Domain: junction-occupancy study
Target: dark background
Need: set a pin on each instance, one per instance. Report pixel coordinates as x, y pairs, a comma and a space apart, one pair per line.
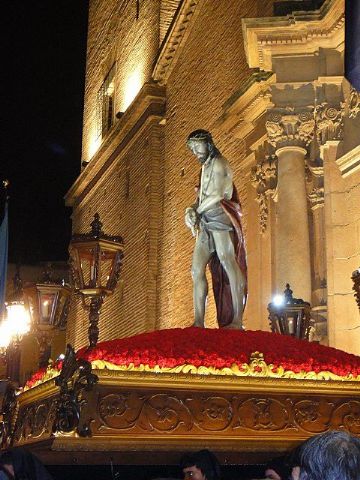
147, 472
42, 82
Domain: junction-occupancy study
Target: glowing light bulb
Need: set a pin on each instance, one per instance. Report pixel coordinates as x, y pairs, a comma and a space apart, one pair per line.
18, 319
278, 300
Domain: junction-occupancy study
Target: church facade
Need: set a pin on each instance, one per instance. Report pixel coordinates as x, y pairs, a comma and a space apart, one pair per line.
266, 79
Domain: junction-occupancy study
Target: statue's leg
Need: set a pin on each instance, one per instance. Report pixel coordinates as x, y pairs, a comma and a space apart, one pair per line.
225, 251
200, 259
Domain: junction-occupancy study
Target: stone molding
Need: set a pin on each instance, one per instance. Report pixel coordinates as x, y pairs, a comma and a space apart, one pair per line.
264, 180
290, 127
329, 122
350, 162
175, 39
298, 33
149, 105
251, 101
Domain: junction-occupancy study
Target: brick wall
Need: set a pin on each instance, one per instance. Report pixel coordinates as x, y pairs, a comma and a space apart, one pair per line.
115, 36
211, 68
133, 184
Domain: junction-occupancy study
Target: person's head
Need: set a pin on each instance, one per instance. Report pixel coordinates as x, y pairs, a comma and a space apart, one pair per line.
278, 469
202, 465
201, 144
6, 466
332, 456
19, 464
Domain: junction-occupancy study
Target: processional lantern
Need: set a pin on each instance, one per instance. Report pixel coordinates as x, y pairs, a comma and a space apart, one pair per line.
48, 302
289, 315
356, 279
95, 262
13, 328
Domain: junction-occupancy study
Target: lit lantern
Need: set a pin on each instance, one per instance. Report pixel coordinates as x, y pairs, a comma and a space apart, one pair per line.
48, 305
13, 329
95, 261
290, 316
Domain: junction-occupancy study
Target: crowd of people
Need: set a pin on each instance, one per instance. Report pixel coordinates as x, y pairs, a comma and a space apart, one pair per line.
333, 455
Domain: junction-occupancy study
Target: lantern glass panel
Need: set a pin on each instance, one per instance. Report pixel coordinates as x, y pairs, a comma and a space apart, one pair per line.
46, 307
88, 266
107, 262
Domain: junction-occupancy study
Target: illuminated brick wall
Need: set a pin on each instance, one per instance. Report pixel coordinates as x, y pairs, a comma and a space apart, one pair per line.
115, 36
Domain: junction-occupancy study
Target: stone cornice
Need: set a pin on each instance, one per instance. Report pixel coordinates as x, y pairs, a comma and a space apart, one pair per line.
350, 162
243, 109
298, 33
149, 104
175, 39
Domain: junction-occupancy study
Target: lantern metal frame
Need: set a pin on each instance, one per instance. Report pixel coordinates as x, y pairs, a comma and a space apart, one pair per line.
292, 317
46, 326
94, 284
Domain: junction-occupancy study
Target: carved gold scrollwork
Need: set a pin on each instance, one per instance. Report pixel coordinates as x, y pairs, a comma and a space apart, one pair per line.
7, 416
40, 419
211, 413
164, 413
289, 126
159, 412
313, 416
347, 416
120, 411
35, 420
263, 414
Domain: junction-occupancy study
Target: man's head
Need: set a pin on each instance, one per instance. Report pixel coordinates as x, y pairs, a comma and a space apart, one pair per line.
331, 456
202, 465
201, 144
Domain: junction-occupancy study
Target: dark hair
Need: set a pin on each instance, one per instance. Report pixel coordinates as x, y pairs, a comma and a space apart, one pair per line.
6, 458
205, 461
281, 466
332, 456
26, 465
203, 135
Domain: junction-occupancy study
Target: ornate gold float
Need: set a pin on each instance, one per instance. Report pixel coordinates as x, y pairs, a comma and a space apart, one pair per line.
246, 412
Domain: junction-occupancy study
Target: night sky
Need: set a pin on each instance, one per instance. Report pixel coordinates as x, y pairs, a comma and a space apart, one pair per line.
42, 84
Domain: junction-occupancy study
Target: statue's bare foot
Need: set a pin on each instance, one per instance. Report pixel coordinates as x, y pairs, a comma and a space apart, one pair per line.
198, 324
235, 325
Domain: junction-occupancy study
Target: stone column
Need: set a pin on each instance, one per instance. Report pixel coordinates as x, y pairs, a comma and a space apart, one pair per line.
290, 131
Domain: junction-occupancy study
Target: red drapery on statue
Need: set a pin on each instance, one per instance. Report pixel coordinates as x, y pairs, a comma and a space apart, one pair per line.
220, 281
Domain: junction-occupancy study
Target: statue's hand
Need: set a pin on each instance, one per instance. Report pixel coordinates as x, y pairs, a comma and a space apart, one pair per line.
191, 220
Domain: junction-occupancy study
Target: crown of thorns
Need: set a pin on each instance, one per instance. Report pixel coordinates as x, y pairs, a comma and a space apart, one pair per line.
199, 135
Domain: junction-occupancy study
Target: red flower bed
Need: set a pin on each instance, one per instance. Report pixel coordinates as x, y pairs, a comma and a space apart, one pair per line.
222, 348
215, 348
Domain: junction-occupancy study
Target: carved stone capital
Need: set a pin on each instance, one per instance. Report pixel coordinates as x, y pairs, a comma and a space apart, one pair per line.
316, 197
264, 180
329, 122
353, 103
290, 127
356, 279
